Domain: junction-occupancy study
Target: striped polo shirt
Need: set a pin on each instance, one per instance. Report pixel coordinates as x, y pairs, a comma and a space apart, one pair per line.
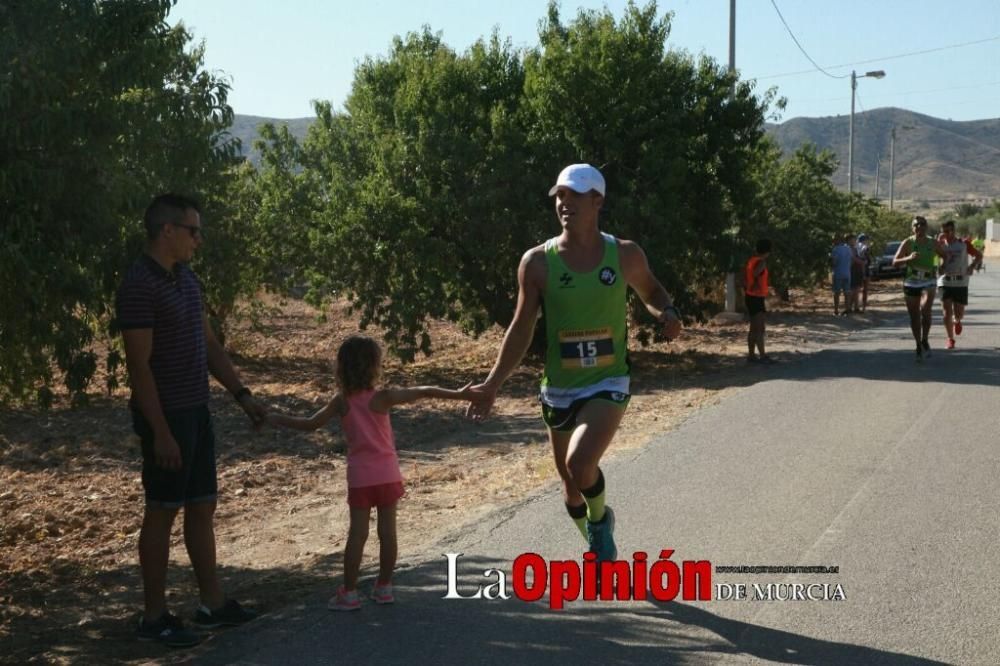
169, 303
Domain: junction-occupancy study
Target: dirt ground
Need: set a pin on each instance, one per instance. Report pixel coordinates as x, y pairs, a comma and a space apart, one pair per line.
71, 497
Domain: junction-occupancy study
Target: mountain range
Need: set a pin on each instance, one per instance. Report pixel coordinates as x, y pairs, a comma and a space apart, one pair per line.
936, 160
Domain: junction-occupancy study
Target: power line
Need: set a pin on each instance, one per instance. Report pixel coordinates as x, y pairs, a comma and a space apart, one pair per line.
792, 35
977, 86
882, 59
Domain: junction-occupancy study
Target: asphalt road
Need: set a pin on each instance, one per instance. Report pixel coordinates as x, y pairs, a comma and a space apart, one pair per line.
856, 458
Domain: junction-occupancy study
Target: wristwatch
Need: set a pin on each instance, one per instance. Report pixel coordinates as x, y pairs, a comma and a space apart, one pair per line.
674, 310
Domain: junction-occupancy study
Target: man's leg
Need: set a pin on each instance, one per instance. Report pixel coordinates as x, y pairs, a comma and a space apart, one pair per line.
926, 315
199, 538
913, 310
597, 422
154, 553
948, 308
864, 294
836, 301
759, 320
959, 315
575, 505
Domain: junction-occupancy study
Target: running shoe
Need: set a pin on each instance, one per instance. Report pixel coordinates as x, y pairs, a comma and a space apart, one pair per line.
382, 594
958, 327
168, 630
927, 348
950, 344
345, 600
231, 614
601, 536
920, 354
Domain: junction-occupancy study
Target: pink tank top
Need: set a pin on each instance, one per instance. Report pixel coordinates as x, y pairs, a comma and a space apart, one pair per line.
371, 448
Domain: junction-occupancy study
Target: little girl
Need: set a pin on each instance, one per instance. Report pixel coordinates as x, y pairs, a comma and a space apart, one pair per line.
373, 476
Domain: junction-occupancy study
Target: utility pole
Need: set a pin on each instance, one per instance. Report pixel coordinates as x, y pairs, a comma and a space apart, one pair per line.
850, 143
892, 166
878, 167
731, 276
892, 163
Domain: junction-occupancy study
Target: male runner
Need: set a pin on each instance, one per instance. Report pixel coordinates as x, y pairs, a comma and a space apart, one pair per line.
580, 278
954, 279
918, 253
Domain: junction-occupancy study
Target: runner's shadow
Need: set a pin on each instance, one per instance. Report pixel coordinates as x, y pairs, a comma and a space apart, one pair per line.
425, 628
783, 646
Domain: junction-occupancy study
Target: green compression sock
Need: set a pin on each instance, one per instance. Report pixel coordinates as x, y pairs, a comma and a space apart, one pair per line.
594, 497
579, 516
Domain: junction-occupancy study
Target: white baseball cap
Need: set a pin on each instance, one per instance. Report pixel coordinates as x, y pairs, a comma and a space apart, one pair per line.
580, 178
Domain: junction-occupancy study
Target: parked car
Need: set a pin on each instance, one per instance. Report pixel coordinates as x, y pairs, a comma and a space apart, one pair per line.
882, 267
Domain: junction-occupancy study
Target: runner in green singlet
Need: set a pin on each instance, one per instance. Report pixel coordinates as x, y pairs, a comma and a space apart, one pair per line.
919, 254
580, 279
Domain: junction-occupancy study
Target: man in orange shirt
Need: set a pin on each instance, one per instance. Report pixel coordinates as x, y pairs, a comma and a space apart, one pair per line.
755, 279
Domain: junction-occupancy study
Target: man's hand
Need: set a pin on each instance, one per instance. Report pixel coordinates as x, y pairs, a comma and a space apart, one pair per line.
671, 327
166, 452
255, 410
481, 398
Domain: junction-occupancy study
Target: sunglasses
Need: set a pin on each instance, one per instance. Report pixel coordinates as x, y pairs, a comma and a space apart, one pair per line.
192, 229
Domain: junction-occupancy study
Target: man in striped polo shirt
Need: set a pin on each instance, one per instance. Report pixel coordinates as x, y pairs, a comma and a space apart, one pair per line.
580, 278
170, 349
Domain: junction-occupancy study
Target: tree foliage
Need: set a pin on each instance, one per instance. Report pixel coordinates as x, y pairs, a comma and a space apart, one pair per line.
419, 200
100, 108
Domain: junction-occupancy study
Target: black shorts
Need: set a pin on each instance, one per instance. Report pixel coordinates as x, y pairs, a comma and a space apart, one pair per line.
564, 418
959, 295
755, 304
857, 278
196, 480
917, 291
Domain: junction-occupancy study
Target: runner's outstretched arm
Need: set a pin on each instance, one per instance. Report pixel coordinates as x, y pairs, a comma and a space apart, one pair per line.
530, 280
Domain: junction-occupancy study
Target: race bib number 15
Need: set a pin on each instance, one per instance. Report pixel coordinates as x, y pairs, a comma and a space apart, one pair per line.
586, 348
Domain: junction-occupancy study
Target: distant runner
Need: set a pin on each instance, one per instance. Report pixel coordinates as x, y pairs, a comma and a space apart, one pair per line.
954, 279
917, 253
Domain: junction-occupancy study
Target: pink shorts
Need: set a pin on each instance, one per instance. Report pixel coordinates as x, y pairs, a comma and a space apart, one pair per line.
382, 494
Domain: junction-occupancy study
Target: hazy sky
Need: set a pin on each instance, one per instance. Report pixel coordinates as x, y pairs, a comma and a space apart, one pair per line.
940, 56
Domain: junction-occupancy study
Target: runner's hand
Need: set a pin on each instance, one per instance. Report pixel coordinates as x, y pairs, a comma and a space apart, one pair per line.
481, 399
166, 452
671, 323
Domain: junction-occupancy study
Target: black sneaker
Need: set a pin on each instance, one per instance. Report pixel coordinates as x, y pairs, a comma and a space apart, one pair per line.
927, 348
168, 630
920, 354
230, 615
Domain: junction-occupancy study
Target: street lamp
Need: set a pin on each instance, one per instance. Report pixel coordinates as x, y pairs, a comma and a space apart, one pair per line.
877, 74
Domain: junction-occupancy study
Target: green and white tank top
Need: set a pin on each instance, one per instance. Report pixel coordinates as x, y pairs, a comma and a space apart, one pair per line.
585, 328
920, 271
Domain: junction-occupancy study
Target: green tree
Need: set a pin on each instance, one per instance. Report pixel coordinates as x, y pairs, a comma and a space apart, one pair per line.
100, 107
800, 210
413, 201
